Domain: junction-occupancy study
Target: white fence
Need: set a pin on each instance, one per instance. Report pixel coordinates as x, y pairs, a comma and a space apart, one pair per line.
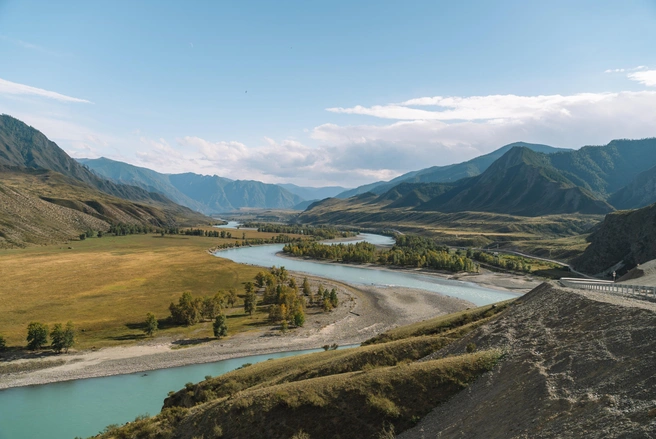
607, 286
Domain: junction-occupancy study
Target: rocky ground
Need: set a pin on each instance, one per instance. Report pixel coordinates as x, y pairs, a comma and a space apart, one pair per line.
577, 364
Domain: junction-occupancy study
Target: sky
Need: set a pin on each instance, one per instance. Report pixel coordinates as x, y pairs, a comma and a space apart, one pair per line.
327, 92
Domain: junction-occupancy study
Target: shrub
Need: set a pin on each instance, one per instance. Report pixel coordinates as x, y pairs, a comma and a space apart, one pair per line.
471, 347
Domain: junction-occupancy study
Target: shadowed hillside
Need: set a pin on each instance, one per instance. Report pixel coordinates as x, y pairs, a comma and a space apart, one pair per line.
625, 236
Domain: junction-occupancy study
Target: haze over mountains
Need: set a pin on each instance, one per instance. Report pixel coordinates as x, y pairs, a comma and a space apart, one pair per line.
210, 193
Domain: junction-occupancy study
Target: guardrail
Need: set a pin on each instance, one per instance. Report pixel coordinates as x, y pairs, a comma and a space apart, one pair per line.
607, 286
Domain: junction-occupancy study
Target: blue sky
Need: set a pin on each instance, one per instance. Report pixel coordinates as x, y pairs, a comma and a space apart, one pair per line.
318, 93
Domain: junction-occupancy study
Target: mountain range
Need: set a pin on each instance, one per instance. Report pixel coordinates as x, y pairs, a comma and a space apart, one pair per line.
526, 180
209, 193
448, 173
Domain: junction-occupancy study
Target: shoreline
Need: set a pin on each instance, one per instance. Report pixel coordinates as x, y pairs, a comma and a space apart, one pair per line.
364, 311
509, 282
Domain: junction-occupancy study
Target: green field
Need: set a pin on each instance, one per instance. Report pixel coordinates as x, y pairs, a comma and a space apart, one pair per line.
105, 286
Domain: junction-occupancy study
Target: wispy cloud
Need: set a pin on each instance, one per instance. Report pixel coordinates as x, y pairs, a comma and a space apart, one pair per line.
30, 46
646, 77
14, 88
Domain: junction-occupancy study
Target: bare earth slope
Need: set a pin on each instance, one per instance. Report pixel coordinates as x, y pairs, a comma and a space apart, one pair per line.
575, 366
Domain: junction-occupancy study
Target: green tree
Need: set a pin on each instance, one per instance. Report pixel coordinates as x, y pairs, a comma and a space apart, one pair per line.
57, 337
151, 324
187, 311
333, 298
62, 338
306, 287
212, 306
37, 335
250, 302
299, 317
232, 297
220, 326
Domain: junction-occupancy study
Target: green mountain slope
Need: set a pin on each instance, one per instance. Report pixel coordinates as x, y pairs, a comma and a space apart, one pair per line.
521, 182
606, 169
449, 173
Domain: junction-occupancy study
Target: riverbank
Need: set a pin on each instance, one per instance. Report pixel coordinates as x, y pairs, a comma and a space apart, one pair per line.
515, 283
363, 312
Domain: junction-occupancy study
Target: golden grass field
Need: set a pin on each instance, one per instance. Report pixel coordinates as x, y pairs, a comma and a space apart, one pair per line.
105, 286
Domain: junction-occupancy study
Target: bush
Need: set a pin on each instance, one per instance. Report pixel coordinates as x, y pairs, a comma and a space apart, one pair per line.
471, 347
3, 343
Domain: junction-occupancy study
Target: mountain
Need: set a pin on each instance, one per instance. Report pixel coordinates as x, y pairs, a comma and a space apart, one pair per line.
22, 146
639, 193
449, 173
46, 196
142, 177
407, 195
608, 168
521, 182
626, 237
204, 193
313, 193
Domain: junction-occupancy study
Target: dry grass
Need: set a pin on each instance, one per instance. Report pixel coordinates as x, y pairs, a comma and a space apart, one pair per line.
451, 325
107, 285
333, 406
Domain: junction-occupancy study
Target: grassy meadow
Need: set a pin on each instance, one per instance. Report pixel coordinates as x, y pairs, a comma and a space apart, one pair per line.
105, 286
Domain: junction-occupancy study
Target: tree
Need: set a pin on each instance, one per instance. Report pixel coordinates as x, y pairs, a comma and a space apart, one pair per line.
83, 236
232, 297
250, 302
3, 343
306, 287
333, 298
249, 287
299, 317
37, 335
62, 339
151, 324
212, 306
187, 311
220, 326
57, 337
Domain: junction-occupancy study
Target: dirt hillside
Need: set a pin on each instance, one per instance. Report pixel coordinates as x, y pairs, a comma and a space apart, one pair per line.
574, 367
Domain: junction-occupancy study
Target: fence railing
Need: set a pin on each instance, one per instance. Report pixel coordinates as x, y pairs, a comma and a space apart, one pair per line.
607, 286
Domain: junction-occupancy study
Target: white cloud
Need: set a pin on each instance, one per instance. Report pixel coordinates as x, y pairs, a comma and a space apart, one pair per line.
350, 155
646, 77
477, 107
14, 88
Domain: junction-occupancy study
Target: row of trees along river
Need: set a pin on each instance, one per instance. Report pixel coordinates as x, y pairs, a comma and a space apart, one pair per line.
408, 251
